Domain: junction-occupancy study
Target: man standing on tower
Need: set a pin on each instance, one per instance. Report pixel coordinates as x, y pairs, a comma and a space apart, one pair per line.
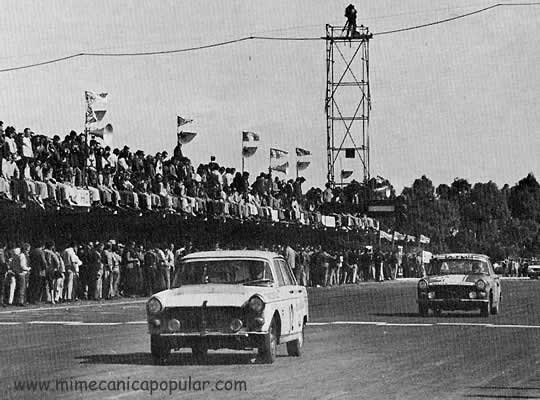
350, 14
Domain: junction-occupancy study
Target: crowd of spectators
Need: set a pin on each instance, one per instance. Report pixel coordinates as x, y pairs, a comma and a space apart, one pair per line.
43, 163
108, 270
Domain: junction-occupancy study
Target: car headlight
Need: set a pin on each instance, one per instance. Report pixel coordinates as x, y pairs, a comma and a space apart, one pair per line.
480, 284
256, 304
236, 325
153, 306
422, 284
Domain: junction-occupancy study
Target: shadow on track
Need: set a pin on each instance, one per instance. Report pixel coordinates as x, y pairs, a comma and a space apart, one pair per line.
174, 359
500, 396
504, 388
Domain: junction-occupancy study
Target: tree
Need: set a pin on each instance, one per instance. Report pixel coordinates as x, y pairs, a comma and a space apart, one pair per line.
524, 199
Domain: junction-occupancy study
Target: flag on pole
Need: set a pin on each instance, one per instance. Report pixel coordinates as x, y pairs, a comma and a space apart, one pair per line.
185, 137
385, 235
302, 152
302, 165
96, 106
345, 173
399, 236
248, 151
281, 168
250, 136
277, 153
424, 239
350, 153
182, 121
101, 132
249, 147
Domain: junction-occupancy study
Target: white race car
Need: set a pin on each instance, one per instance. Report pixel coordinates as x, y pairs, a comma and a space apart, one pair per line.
229, 299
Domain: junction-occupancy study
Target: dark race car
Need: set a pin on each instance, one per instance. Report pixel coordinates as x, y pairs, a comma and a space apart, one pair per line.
459, 282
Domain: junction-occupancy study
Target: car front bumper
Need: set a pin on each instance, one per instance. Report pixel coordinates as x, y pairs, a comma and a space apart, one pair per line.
453, 304
213, 340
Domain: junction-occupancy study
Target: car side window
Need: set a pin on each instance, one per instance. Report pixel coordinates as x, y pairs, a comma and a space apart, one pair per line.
287, 272
279, 273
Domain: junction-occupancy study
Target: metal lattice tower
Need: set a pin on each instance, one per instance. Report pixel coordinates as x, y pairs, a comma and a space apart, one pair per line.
348, 99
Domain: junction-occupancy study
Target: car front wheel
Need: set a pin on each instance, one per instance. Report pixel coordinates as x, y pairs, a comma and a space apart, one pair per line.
496, 308
295, 347
268, 350
160, 349
199, 352
423, 310
485, 308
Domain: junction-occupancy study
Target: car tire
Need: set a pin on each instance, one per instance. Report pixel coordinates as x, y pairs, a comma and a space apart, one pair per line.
485, 308
295, 347
160, 350
423, 310
200, 353
267, 352
496, 308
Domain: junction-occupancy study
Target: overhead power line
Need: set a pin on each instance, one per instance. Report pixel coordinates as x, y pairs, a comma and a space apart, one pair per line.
442, 21
246, 38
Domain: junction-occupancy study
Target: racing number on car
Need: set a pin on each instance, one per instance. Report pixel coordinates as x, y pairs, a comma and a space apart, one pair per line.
292, 317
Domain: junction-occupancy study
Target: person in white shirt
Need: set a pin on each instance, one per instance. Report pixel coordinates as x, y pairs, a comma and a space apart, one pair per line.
72, 263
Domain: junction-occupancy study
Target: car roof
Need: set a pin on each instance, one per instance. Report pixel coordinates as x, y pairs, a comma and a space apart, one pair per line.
232, 254
463, 256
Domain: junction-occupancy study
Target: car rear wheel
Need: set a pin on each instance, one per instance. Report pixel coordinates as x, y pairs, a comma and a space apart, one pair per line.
423, 310
160, 350
268, 350
294, 347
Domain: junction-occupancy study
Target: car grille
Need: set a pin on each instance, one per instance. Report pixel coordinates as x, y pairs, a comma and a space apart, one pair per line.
216, 318
452, 292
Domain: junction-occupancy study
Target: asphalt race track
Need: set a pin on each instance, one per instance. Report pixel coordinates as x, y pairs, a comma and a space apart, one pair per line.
364, 342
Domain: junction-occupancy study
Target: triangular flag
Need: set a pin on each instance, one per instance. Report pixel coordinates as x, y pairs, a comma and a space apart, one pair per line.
250, 136
100, 132
248, 151
276, 153
302, 165
302, 152
182, 121
281, 168
345, 174
96, 106
185, 137
100, 114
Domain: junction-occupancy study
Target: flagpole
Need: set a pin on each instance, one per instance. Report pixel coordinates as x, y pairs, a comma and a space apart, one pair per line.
242, 152
270, 162
86, 129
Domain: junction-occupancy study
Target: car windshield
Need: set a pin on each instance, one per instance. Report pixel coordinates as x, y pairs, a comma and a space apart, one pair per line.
457, 267
197, 272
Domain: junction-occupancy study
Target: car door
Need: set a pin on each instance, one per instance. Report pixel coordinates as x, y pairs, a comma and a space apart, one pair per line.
297, 304
285, 297
497, 282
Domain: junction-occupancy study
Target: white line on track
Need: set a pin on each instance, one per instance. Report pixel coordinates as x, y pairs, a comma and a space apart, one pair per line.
59, 307
329, 323
466, 324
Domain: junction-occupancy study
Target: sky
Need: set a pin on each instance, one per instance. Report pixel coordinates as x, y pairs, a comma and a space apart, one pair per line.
458, 99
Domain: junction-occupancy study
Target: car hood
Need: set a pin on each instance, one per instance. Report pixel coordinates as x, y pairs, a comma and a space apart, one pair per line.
213, 295
454, 279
